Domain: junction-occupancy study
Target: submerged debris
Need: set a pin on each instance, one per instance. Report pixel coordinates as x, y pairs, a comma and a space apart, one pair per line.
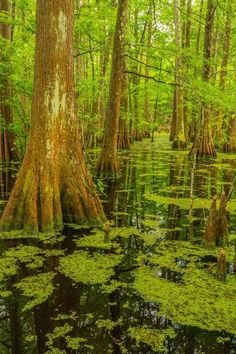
107, 230
221, 266
216, 233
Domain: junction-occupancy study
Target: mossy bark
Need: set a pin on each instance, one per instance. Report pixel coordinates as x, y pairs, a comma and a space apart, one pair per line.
230, 145
53, 185
203, 145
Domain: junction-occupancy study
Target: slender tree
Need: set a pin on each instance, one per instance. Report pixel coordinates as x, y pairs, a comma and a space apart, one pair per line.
53, 185
123, 137
108, 164
192, 131
230, 145
224, 66
203, 144
178, 129
7, 141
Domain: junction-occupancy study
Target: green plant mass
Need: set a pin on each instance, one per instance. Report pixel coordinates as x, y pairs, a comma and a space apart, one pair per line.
117, 177
197, 299
89, 269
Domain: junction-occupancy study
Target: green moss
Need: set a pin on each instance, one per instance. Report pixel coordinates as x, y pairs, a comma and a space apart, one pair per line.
32, 256
95, 241
183, 203
8, 268
151, 223
124, 232
153, 337
107, 324
37, 289
200, 300
89, 268
15, 234
75, 343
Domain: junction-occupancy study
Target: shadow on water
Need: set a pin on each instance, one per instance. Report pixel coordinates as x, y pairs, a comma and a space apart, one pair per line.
149, 288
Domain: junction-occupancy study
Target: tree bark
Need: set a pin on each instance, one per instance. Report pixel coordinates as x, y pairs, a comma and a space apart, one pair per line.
53, 185
178, 130
108, 165
7, 139
224, 65
230, 145
203, 144
193, 125
123, 137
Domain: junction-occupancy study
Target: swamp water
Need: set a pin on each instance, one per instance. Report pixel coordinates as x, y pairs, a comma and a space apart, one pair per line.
150, 287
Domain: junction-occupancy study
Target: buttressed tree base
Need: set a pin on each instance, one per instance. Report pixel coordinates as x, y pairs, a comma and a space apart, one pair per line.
53, 185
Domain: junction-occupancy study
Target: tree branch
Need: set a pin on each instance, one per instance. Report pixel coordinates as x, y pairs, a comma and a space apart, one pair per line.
152, 78
149, 66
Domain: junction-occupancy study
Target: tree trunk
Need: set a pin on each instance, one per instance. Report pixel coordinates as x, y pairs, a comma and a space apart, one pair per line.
203, 144
224, 65
230, 145
53, 185
186, 64
108, 164
193, 125
7, 141
178, 130
123, 137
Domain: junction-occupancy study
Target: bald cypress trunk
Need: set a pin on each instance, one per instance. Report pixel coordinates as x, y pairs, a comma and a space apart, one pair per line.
107, 164
53, 185
178, 128
230, 145
123, 137
203, 144
223, 73
7, 141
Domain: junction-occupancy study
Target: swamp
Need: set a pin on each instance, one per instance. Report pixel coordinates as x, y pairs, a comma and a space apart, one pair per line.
117, 177
151, 287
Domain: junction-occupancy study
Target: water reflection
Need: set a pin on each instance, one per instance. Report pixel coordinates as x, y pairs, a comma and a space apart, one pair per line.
69, 316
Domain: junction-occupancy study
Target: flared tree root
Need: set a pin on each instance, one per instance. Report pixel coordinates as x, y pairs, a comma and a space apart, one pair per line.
203, 147
107, 168
42, 201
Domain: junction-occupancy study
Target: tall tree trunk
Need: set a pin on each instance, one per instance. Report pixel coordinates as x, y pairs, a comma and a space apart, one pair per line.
179, 139
147, 108
108, 164
53, 185
193, 125
123, 137
186, 64
134, 126
224, 65
230, 145
203, 144
7, 140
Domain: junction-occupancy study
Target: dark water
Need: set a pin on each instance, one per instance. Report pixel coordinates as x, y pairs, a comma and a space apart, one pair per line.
77, 293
